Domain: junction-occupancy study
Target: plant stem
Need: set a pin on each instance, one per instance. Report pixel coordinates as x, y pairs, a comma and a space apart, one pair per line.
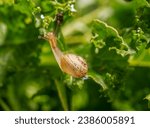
62, 95
4, 105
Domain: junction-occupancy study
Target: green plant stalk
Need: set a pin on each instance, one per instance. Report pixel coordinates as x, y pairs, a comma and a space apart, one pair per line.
62, 95
13, 100
4, 105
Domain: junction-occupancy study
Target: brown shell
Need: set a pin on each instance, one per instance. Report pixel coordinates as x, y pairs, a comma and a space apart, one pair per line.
74, 65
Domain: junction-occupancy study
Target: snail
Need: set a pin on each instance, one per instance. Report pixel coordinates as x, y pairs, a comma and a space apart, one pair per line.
71, 64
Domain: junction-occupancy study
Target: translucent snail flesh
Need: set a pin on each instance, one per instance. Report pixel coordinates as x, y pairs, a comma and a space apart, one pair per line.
71, 64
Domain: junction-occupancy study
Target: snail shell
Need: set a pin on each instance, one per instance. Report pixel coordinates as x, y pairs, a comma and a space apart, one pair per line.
74, 65
71, 64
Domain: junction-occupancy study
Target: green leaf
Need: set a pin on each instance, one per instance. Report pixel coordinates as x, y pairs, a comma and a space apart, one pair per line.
23, 7
7, 2
98, 79
147, 97
142, 59
105, 33
140, 3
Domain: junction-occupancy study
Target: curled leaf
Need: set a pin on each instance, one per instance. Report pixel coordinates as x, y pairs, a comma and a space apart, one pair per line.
98, 79
105, 33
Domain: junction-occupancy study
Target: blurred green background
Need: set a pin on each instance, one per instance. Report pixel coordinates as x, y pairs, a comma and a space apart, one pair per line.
115, 46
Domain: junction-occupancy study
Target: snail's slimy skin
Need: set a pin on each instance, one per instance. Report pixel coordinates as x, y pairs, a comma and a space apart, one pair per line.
71, 64
53, 43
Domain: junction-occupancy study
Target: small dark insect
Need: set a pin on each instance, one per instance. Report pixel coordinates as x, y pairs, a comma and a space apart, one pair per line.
59, 18
58, 21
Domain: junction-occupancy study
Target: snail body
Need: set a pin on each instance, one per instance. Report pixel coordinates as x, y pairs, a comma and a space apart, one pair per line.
71, 64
